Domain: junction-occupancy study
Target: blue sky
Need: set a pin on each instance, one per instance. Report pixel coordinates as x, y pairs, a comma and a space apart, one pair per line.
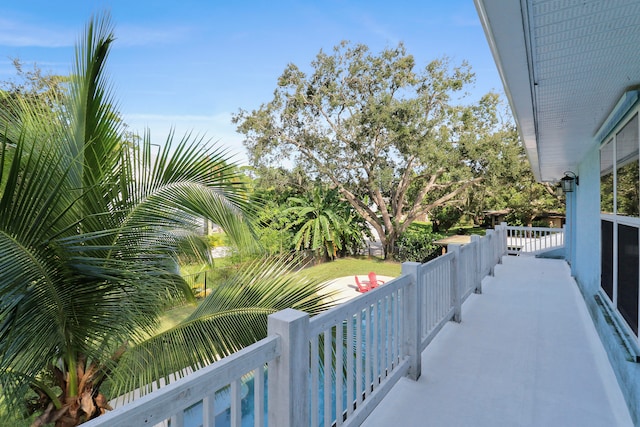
192, 64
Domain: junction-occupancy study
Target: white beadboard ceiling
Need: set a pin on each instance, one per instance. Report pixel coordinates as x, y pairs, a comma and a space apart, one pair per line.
564, 65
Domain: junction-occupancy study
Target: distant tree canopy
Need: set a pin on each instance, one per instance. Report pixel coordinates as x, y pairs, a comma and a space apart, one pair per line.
34, 86
387, 136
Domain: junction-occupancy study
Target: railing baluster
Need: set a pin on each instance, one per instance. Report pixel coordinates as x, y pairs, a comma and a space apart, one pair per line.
388, 318
434, 296
315, 366
375, 321
396, 328
327, 378
438, 296
339, 373
368, 350
178, 419
350, 366
434, 291
209, 411
258, 396
359, 358
236, 403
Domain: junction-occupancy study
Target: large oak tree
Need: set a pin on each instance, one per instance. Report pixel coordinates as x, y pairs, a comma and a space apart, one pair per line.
396, 141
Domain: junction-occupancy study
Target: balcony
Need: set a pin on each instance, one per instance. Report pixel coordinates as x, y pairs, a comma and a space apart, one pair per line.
525, 354
461, 340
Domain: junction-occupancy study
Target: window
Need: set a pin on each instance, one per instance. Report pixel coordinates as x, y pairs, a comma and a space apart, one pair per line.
620, 221
607, 258
627, 202
628, 275
606, 177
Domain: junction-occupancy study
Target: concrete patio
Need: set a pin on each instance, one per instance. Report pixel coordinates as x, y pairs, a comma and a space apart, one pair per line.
525, 354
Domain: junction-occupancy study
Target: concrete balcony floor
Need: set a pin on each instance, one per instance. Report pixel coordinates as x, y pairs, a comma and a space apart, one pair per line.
525, 354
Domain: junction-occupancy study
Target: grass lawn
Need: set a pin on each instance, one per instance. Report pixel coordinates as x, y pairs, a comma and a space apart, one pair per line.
322, 272
351, 267
174, 316
466, 229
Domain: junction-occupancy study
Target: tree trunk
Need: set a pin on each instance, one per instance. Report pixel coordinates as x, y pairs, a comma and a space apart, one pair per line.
388, 246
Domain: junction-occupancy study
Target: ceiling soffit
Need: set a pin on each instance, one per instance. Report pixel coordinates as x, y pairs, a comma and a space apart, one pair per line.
564, 64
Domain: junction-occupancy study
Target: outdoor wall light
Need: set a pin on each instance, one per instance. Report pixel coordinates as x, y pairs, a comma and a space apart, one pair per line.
566, 182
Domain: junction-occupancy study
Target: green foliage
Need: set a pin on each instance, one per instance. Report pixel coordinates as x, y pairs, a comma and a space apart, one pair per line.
507, 179
273, 230
34, 87
445, 217
325, 224
233, 316
606, 193
90, 231
627, 197
386, 135
297, 214
416, 244
215, 240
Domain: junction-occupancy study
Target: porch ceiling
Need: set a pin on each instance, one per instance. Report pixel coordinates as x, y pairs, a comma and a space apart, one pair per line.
564, 65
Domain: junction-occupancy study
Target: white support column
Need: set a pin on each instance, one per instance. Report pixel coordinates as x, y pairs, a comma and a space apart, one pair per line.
493, 252
289, 372
456, 285
411, 320
503, 241
477, 268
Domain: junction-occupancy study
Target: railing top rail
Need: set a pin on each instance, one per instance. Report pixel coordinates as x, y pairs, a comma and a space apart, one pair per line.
523, 228
468, 247
155, 407
330, 318
442, 259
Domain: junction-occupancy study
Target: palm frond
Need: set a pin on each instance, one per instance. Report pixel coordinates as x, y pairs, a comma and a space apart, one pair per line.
90, 226
233, 316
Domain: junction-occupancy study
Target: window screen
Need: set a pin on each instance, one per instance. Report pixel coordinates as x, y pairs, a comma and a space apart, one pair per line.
628, 274
606, 177
607, 257
627, 201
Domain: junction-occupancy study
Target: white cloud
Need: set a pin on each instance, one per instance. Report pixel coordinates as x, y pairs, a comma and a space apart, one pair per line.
20, 34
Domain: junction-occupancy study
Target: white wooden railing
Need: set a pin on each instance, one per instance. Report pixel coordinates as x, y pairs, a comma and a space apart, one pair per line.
533, 240
334, 368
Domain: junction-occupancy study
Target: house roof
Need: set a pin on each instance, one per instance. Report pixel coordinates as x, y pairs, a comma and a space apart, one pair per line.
564, 64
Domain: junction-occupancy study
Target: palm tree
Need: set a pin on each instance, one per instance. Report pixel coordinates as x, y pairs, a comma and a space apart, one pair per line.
326, 224
233, 316
90, 228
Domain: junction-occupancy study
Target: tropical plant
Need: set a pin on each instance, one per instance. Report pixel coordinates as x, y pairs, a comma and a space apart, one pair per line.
233, 316
273, 229
90, 229
324, 223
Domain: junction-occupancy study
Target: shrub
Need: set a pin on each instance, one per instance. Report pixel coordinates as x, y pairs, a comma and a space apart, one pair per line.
416, 244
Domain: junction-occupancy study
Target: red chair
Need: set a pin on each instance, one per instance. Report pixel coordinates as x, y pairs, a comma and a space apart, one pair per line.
362, 287
373, 280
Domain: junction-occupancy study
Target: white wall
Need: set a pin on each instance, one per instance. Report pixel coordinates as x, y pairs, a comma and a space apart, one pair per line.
586, 269
586, 237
